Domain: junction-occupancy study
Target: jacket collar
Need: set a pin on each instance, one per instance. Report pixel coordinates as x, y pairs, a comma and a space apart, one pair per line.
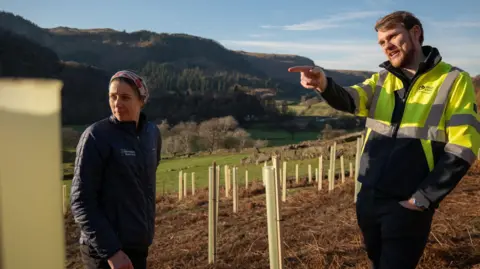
432, 58
130, 126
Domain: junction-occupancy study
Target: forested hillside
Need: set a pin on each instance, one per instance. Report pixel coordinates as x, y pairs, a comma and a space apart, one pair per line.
84, 96
173, 62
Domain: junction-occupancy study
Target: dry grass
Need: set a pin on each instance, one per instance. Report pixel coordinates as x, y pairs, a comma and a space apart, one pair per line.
319, 231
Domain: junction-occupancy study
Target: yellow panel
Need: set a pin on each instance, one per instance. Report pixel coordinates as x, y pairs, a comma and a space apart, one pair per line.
31, 219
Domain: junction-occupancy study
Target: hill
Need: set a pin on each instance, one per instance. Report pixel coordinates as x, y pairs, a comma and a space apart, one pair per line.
168, 58
85, 98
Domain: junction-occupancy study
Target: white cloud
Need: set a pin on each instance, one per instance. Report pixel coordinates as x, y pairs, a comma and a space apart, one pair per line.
261, 35
332, 21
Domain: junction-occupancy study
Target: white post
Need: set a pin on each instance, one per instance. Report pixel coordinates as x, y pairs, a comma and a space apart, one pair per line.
180, 185
185, 184
350, 170
320, 172
212, 214
309, 173
275, 242
284, 184
357, 165
342, 169
31, 220
246, 179
193, 183
235, 189
296, 173
226, 170
64, 189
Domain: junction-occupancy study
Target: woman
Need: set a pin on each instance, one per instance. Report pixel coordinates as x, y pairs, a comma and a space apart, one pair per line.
113, 188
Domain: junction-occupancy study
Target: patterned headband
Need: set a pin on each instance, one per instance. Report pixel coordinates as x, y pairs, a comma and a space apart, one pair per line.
139, 82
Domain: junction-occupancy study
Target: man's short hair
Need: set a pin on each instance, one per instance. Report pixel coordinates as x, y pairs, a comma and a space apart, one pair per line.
404, 18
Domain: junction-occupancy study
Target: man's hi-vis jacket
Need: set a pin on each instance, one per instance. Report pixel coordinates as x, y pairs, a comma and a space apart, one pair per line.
422, 134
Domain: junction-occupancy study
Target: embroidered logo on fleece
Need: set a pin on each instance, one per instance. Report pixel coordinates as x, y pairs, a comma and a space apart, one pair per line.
126, 152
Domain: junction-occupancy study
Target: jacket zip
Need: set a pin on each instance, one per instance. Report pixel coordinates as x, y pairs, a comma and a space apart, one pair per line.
395, 132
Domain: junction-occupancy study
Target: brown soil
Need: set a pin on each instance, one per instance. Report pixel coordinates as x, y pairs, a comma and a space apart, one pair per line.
319, 231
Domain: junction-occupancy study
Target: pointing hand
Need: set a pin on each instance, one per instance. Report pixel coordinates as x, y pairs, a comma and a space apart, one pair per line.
311, 77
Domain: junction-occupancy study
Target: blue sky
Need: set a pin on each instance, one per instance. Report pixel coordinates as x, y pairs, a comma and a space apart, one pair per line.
335, 34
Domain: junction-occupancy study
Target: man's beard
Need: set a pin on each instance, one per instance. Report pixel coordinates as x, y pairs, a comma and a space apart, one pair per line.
408, 57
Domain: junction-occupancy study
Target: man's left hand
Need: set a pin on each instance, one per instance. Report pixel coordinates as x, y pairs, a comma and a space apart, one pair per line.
410, 205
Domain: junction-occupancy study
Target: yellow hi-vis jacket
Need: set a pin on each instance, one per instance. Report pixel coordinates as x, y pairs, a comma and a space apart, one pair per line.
422, 134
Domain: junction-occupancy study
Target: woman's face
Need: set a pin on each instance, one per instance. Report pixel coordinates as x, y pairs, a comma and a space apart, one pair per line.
125, 102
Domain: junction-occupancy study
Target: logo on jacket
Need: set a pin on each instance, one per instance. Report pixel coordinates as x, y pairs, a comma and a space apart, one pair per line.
126, 152
425, 89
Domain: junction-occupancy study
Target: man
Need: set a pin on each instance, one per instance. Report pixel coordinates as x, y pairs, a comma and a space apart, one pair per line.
422, 135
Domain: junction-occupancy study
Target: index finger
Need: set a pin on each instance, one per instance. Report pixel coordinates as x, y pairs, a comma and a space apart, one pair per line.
304, 68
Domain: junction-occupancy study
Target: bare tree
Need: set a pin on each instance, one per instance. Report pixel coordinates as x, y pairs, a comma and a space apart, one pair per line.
242, 137
186, 134
210, 135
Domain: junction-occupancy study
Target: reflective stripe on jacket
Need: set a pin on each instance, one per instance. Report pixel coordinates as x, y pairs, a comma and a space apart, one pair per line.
422, 134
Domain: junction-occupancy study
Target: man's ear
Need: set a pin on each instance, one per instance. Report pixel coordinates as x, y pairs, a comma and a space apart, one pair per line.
416, 32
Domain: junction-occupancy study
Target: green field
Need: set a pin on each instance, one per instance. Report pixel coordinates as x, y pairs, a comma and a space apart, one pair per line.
168, 170
279, 137
318, 109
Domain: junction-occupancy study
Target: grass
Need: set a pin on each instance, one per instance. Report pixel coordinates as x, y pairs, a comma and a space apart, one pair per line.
318, 109
168, 170
280, 137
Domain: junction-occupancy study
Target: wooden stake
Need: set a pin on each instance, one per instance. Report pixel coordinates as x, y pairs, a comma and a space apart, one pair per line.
350, 170
180, 185
342, 169
296, 174
246, 179
271, 176
357, 165
309, 173
320, 172
193, 183
64, 190
212, 214
235, 189
284, 184
227, 190
185, 188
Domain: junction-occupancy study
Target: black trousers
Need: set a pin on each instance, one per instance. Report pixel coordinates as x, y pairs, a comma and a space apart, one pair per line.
394, 236
92, 261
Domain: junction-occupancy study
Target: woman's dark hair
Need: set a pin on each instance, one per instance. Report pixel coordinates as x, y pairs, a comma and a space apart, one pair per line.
130, 83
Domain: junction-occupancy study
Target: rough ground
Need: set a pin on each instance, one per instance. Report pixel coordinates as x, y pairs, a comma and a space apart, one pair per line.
319, 231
